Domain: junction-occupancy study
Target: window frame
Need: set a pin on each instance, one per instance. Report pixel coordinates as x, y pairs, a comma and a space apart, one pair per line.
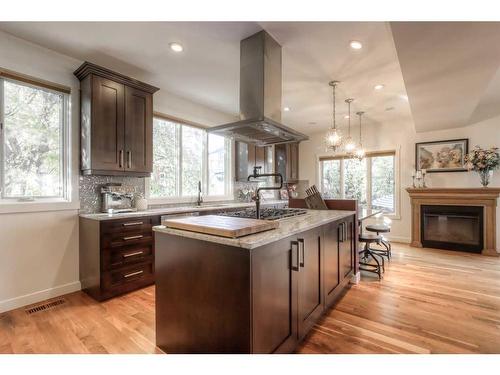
40, 203
179, 198
372, 153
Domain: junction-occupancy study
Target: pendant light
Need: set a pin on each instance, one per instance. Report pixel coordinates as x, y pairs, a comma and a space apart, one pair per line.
333, 138
360, 151
349, 145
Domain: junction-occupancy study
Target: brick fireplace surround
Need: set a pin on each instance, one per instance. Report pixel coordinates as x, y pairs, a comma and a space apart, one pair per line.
485, 197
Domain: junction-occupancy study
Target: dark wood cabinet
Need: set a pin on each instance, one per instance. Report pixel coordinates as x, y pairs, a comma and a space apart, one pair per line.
249, 156
346, 244
116, 256
275, 278
286, 158
116, 121
310, 286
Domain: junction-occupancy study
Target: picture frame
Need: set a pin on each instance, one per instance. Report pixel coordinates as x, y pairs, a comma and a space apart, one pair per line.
442, 156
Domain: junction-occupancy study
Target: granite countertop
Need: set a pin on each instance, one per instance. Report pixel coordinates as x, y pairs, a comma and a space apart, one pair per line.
216, 206
288, 227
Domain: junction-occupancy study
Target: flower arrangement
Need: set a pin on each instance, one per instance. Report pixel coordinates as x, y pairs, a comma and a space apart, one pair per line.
483, 161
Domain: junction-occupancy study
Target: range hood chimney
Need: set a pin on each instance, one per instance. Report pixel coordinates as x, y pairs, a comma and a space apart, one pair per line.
260, 95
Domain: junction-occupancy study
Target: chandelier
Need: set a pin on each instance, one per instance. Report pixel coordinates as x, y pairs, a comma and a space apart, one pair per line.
333, 138
349, 145
360, 151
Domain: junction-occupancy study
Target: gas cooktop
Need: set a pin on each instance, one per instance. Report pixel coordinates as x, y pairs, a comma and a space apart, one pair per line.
266, 213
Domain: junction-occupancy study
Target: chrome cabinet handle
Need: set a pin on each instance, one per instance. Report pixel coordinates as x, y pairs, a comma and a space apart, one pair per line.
132, 237
129, 159
133, 254
121, 158
133, 274
301, 252
295, 257
132, 223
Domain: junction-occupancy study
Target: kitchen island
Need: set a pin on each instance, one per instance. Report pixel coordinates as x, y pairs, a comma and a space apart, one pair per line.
260, 293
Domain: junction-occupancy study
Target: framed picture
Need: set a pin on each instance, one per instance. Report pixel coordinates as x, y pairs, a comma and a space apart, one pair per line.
442, 156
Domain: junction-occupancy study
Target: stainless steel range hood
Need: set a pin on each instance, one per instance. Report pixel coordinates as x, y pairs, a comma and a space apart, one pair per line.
260, 95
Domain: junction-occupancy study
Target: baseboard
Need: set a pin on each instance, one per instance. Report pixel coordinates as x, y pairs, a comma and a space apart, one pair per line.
42, 295
398, 239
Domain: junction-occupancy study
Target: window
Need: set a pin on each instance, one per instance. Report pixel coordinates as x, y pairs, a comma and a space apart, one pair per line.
183, 155
33, 145
371, 181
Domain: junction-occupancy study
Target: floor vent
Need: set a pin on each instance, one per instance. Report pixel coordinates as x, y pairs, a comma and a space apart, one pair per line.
45, 306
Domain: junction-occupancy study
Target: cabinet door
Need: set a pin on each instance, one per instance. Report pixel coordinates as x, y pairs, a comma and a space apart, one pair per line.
331, 261
280, 160
241, 162
274, 290
138, 131
310, 301
108, 125
346, 256
292, 162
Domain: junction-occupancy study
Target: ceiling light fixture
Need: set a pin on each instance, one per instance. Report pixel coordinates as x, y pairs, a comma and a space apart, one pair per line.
333, 138
355, 44
286, 109
360, 151
379, 87
349, 146
176, 47
346, 117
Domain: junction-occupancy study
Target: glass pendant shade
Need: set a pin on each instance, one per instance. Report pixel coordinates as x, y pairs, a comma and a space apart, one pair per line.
333, 137
349, 145
360, 151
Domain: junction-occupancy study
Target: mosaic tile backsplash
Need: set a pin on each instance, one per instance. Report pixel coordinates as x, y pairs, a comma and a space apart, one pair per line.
90, 190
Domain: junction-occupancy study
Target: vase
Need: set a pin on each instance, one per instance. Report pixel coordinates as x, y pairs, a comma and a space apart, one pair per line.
485, 176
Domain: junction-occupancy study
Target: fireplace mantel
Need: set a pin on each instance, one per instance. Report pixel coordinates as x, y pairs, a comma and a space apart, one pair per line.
485, 197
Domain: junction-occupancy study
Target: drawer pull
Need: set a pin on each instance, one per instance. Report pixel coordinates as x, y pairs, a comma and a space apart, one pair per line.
132, 237
133, 274
132, 223
133, 254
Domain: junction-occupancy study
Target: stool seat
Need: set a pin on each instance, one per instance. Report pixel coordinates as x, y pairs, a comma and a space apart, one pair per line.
369, 237
379, 228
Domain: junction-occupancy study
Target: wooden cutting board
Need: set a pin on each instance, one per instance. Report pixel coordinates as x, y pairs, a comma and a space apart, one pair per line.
223, 226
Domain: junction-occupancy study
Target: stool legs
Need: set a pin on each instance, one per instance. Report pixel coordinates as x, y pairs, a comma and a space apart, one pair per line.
374, 268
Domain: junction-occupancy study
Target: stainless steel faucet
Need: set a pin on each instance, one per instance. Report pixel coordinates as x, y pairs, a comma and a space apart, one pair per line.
256, 197
199, 201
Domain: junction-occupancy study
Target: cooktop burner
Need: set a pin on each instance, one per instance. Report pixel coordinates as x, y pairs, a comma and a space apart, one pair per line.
266, 213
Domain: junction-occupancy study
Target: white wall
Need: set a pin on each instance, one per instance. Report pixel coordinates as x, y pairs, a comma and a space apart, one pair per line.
403, 137
39, 250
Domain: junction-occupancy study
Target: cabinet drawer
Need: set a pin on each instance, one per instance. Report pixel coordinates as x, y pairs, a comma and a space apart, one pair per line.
139, 224
127, 238
126, 255
127, 278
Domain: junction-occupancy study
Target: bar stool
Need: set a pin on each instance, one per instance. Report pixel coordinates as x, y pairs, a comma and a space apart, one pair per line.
381, 228
367, 252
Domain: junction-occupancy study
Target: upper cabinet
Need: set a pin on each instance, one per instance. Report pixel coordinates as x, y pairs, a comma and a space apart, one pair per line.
249, 156
286, 161
116, 123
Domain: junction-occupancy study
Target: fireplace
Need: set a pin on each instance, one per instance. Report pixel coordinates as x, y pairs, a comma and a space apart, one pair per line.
452, 227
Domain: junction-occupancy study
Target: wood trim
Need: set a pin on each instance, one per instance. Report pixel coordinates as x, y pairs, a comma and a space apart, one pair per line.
9, 74
88, 68
368, 154
485, 197
179, 120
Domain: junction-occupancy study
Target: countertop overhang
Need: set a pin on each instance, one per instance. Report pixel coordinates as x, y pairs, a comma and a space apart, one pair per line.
288, 227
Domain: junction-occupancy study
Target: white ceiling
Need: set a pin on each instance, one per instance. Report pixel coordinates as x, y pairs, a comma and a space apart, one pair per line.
314, 53
448, 69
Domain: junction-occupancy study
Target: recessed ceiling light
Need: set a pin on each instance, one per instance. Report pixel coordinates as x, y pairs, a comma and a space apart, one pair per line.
286, 109
355, 44
176, 47
346, 116
379, 87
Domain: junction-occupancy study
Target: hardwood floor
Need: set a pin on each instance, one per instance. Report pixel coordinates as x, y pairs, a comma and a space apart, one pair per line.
429, 301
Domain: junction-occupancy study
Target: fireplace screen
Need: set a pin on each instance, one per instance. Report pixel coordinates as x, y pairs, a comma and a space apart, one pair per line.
452, 227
